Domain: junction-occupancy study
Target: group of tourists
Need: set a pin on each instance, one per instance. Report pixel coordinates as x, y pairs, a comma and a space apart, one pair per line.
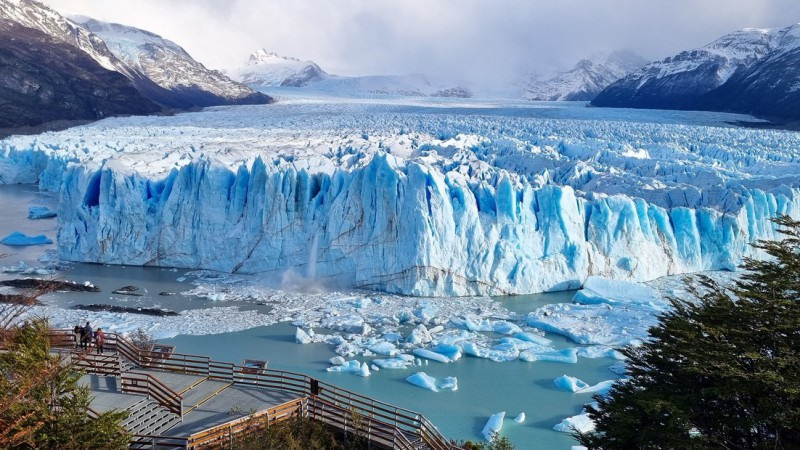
84, 335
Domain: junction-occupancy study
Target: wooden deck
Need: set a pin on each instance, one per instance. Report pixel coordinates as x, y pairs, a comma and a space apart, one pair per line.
189, 401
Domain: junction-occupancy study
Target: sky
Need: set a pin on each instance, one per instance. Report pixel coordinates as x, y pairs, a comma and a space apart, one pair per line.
478, 40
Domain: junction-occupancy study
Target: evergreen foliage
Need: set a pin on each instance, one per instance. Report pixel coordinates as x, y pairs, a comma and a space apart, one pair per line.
722, 371
298, 434
498, 443
41, 403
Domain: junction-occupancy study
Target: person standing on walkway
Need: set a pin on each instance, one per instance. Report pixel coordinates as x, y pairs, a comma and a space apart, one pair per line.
87, 335
100, 339
78, 332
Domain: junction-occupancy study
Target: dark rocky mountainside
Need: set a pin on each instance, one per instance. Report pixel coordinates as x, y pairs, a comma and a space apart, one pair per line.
750, 71
57, 71
44, 80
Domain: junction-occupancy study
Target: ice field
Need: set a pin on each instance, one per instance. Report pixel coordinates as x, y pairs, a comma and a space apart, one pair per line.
418, 198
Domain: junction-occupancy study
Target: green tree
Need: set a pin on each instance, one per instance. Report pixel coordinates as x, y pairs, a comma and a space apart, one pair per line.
41, 403
722, 371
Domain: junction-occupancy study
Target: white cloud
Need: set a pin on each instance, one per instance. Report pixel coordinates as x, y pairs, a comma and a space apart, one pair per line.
467, 39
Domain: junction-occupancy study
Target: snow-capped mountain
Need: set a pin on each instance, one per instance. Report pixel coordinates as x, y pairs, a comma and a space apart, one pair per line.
584, 81
45, 80
265, 68
33, 14
733, 73
159, 69
184, 82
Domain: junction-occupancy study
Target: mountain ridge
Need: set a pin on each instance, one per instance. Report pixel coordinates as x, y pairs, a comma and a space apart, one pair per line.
749, 71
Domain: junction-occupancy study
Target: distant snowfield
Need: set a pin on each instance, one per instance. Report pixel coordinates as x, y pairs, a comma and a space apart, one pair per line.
423, 197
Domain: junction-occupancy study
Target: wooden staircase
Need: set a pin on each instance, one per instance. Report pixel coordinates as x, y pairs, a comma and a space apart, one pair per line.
149, 418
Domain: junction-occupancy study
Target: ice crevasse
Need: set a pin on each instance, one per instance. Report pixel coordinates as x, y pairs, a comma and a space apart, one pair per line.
413, 200
397, 226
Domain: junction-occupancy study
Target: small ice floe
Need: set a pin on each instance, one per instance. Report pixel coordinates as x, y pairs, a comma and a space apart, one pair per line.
619, 368
301, 337
493, 426
337, 361
419, 335
520, 418
576, 385
503, 327
533, 338
398, 362
430, 383
21, 239
581, 423
600, 351
450, 383
499, 353
354, 367
24, 269
347, 349
424, 381
40, 212
383, 348
428, 354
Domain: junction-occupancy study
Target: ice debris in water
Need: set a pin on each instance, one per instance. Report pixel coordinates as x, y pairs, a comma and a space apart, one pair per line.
581, 423
40, 212
493, 426
355, 367
576, 385
17, 238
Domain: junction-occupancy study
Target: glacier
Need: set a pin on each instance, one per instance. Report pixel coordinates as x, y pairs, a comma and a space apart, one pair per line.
416, 197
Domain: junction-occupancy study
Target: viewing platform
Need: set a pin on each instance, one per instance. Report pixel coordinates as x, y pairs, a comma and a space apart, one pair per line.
180, 401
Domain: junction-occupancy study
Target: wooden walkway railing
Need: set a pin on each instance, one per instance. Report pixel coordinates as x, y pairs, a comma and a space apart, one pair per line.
384, 424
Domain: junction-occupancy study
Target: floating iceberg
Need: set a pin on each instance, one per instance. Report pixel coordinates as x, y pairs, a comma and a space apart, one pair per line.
569, 383
575, 385
448, 383
493, 426
354, 367
603, 290
20, 239
580, 423
40, 212
424, 381
520, 418
398, 362
301, 337
568, 355
430, 383
428, 354
383, 348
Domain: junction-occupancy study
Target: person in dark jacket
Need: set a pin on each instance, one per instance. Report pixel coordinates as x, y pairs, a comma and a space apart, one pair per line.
78, 332
88, 334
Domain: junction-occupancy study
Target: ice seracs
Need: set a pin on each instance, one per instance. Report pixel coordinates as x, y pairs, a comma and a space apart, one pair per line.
413, 201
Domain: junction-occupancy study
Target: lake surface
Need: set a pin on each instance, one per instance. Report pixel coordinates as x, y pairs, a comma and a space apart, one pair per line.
485, 387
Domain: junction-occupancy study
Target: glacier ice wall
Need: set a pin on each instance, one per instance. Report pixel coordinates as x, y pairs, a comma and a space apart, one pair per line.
398, 227
415, 201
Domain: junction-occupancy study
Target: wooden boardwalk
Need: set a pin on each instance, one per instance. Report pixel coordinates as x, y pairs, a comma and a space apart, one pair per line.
189, 401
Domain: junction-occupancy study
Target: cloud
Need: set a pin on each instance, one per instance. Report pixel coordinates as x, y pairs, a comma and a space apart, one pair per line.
462, 39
